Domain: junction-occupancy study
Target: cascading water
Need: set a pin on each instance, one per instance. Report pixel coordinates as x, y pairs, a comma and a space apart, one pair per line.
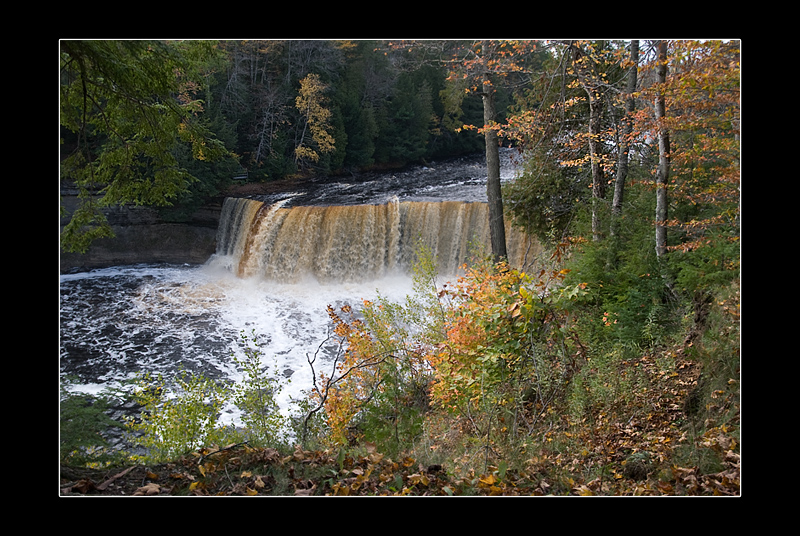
276, 269
335, 244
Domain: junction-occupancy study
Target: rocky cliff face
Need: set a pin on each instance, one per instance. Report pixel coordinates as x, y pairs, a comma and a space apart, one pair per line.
143, 237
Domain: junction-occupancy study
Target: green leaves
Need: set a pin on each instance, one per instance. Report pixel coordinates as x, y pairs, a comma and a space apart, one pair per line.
126, 106
184, 415
170, 426
255, 396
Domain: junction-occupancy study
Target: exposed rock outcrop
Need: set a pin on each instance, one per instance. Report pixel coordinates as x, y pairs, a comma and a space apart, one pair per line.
143, 237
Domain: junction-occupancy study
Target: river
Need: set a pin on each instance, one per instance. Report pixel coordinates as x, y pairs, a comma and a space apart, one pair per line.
118, 322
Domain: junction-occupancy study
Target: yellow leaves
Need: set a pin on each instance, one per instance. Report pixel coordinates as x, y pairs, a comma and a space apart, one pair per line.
375, 474
368, 350
418, 479
489, 480
491, 313
493, 485
306, 153
312, 103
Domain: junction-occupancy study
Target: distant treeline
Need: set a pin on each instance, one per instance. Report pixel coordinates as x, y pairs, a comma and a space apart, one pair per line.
276, 109
375, 107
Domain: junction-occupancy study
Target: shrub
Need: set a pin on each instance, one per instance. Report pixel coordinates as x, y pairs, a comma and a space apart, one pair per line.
174, 422
172, 425
255, 397
378, 387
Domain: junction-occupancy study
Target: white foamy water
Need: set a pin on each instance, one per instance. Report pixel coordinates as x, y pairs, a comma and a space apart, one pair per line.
291, 321
276, 270
118, 322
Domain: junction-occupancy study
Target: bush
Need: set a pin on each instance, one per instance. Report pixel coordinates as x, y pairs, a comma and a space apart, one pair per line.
255, 397
378, 387
172, 425
188, 418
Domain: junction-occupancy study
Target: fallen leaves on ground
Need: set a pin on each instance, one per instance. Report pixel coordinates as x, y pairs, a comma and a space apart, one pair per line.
616, 456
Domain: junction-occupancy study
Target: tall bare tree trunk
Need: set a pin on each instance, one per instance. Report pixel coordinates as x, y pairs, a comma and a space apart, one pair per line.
595, 150
662, 173
624, 142
586, 70
497, 228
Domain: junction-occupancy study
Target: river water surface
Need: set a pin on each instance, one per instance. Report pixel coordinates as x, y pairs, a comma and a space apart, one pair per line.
118, 322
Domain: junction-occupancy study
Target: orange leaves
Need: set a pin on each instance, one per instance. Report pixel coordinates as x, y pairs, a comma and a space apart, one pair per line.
377, 357
703, 100
484, 324
351, 377
340, 326
607, 319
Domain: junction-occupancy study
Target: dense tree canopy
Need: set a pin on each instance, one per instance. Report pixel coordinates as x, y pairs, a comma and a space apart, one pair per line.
127, 110
383, 108
168, 123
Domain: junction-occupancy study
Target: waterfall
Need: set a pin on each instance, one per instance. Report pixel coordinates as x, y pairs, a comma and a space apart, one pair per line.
350, 242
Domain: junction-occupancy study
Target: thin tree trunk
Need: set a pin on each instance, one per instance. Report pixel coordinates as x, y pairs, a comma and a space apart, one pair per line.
598, 184
586, 72
497, 229
624, 143
662, 173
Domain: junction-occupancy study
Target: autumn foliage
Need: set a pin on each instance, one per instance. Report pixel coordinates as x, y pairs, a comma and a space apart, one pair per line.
602, 368
495, 347
509, 399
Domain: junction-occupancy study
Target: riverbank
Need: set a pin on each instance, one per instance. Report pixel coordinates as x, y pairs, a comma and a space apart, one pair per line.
638, 459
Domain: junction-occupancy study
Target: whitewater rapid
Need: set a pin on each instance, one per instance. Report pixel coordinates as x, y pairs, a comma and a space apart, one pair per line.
119, 322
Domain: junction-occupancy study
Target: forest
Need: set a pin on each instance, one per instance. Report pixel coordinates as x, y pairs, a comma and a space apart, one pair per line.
609, 366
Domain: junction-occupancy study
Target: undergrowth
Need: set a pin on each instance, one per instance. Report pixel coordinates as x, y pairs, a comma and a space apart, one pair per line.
502, 383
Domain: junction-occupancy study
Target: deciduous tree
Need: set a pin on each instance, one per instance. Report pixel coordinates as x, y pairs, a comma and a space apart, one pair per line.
662, 173
312, 104
125, 107
624, 141
482, 65
586, 63
564, 123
